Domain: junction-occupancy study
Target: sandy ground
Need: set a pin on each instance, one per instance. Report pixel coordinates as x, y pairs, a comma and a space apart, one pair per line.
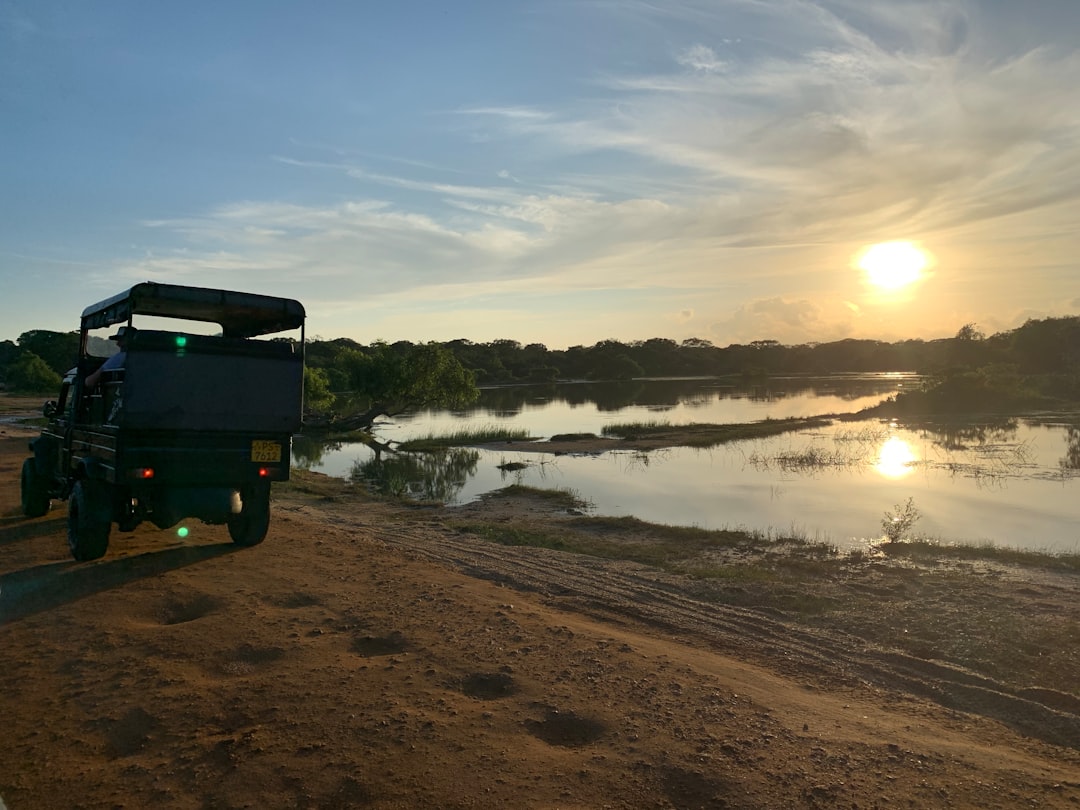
366, 655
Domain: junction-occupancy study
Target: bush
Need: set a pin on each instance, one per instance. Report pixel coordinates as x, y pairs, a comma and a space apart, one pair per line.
317, 395
897, 523
29, 374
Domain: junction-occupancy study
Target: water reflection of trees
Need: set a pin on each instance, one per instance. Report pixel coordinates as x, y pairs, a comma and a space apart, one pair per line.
308, 452
989, 453
659, 395
433, 476
1071, 460
965, 436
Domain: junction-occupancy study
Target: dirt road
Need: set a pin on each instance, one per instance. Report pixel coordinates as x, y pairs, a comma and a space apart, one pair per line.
366, 655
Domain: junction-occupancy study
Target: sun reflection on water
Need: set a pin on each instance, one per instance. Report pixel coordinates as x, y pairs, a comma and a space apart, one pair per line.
896, 458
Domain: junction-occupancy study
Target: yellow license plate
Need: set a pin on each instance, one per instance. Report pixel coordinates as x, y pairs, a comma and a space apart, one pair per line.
265, 451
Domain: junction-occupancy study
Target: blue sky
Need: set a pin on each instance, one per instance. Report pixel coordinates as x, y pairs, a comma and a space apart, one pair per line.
552, 172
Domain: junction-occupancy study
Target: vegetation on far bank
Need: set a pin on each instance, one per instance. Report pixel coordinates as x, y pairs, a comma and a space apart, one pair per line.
991, 390
349, 384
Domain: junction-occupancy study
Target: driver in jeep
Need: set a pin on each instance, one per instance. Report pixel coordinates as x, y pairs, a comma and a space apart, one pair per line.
116, 361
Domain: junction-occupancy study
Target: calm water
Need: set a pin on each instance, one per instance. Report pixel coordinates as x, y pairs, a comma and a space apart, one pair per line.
1012, 484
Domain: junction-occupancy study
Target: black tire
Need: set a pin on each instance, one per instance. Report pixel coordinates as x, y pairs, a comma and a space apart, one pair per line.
89, 520
35, 490
249, 526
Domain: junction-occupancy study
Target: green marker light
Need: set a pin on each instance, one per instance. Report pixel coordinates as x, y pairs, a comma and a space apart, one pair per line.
181, 341
182, 531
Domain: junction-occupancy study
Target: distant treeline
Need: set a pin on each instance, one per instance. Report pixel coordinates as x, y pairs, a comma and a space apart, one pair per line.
1044, 346
1047, 346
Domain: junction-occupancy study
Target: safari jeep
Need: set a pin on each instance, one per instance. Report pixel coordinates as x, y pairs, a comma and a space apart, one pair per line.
193, 426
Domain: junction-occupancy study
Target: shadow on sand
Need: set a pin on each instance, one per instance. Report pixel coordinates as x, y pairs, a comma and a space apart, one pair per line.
43, 587
26, 530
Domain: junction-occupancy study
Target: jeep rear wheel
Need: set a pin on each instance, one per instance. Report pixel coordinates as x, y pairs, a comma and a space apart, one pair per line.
89, 520
248, 527
35, 490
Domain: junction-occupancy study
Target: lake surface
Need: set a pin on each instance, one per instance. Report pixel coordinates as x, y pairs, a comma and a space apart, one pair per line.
1015, 483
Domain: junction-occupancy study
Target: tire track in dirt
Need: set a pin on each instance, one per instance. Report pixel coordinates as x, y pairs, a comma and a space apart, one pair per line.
618, 590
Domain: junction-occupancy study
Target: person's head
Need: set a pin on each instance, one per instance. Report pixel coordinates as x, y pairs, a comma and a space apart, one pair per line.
123, 335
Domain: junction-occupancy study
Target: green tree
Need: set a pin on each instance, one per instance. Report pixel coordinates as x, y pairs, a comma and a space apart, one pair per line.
9, 353
391, 380
59, 350
970, 331
543, 374
1047, 346
317, 395
31, 375
623, 367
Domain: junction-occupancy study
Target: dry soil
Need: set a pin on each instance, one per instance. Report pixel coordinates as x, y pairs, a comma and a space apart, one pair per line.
367, 655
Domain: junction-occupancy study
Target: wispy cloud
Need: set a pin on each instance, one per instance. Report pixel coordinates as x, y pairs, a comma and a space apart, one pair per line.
701, 58
762, 126
893, 126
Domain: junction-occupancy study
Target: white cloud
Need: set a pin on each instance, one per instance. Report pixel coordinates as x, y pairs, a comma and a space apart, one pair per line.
701, 58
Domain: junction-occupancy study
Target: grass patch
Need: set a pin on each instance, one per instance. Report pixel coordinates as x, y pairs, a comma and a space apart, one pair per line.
570, 539
512, 466
634, 430
507, 535
925, 549
729, 555
326, 487
809, 458
731, 574
566, 497
573, 437
464, 437
685, 536
708, 435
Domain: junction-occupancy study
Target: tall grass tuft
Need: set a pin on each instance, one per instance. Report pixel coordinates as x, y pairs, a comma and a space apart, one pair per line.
467, 436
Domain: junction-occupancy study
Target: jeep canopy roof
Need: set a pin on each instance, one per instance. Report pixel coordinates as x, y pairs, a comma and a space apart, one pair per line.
239, 314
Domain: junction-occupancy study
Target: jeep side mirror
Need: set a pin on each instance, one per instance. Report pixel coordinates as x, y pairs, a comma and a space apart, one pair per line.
49, 409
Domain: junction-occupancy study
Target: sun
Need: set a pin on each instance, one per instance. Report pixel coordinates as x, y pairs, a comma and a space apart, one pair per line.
892, 265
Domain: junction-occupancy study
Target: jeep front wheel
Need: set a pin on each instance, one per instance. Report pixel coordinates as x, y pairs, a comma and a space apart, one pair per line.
89, 520
35, 490
248, 526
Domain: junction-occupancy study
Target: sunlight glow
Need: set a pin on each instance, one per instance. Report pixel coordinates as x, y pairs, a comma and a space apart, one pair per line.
896, 459
892, 265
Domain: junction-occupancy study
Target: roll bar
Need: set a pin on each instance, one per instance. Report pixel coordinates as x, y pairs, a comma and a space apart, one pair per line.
240, 314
